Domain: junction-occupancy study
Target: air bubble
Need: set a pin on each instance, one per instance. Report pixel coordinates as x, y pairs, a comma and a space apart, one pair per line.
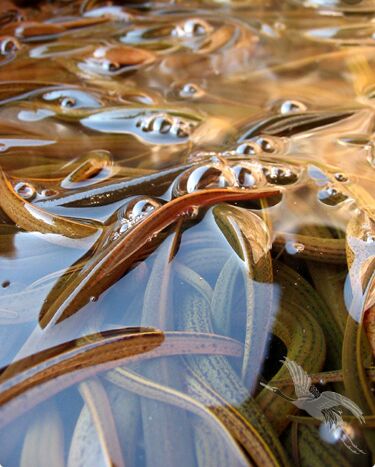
164, 124
340, 177
9, 45
331, 196
48, 192
244, 177
194, 27
67, 102
292, 106
266, 144
369, 238
294, 248
191, 90
134, 212
142, 207
161, 124
25, 190
280, 175
204, 177
248, 149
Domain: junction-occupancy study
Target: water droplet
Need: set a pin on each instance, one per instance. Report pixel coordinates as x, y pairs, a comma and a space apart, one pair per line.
67, 102
25, 190
331, 196
244, 176
340, 177
48, 192
266, 144
292, 106
72, 98
368, 237
164, 124
294, 248
249, 148
248, 176
161, 123
141, 207
132, 213
191, 90
9, 45
5, 284
280, 175
193, 27
203, 177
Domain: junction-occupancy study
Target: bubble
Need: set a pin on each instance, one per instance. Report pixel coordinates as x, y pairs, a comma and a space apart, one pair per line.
9, 45
368, 237
25, 190
248, 176
266, 144
204, 177
191, 91
5, 284
48, 192
207, 156
244, 176
72, 98
161, 124
135, 211
292, 106
280, 175
248, 148
67, 102
193, 27
294, 248
142, 207
93, 299
331, 196
164, 124
112, 67
340, 177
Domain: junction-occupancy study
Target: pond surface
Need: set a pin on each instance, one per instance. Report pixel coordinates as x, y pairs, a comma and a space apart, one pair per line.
187, 233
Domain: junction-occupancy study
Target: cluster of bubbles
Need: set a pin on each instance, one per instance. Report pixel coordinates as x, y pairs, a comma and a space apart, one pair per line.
262, 144
136, 210
222, 170
193, 27
28, 192
165, 124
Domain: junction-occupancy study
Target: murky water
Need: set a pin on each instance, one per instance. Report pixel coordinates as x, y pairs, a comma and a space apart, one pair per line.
187, 233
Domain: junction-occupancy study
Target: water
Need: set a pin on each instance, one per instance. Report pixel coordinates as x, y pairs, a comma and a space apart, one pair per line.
186, 198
